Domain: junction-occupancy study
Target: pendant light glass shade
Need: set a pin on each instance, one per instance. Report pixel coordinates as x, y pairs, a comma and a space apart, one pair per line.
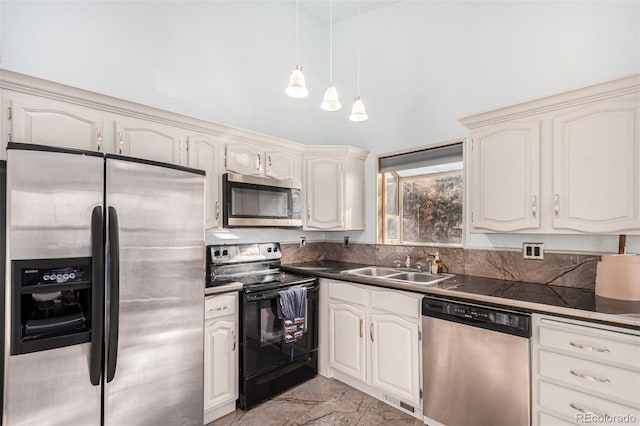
357, 111
331, 101
297, 87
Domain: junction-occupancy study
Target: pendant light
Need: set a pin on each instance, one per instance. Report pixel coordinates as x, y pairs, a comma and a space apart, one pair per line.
331, 101
357, 111
297, 87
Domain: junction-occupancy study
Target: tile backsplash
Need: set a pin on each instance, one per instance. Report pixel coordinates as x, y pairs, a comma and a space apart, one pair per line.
569, 270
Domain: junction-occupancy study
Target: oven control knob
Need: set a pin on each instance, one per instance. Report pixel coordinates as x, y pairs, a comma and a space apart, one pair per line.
72, 275
46, 278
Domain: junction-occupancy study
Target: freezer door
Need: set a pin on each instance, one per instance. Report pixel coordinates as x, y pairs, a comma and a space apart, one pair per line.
155, 295
50, 199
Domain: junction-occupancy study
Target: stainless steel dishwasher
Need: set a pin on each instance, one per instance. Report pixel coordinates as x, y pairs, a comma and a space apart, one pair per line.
475, 364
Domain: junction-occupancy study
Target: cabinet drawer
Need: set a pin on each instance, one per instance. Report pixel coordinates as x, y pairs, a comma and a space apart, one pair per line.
220, 305
348, 293
396, 302
545, 419
583, 408
601, 345
618, 383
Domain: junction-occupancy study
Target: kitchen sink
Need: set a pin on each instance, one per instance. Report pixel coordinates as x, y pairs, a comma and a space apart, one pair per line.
422, 278
372, 271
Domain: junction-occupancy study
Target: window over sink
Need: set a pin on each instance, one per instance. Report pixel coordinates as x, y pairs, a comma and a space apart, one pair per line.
420, 196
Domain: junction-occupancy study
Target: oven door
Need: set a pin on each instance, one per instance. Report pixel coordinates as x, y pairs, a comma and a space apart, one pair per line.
264, 346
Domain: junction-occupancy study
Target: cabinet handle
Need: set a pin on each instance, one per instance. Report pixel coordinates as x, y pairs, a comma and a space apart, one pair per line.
120, 142
217, 210
361, 333
259, 163
556, 205
99, 139
233, 333
589, 348
584, 410
308, 213
534, 206
588, 377
222, 308
269, 162
371, 331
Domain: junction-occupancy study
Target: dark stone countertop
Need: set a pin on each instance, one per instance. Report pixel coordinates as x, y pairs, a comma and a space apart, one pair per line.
544, 298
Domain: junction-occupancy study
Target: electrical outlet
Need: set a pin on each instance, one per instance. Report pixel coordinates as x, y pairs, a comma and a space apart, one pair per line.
303, 241
346, 241
533, 251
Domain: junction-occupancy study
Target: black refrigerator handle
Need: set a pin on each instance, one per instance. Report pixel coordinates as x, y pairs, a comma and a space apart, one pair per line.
114, 293
97, 294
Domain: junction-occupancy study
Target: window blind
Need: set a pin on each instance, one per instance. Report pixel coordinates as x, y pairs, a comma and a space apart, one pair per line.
423, 158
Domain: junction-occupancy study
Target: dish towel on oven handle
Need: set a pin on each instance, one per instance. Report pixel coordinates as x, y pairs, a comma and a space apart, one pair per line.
292, 304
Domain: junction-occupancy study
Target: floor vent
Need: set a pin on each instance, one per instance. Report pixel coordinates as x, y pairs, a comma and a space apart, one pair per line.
399, 403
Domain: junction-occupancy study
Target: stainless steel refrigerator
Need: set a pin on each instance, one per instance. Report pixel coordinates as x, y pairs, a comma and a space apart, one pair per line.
104, 290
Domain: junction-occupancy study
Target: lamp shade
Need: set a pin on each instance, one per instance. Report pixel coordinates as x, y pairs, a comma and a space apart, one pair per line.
297, 87
357, 111
331, 101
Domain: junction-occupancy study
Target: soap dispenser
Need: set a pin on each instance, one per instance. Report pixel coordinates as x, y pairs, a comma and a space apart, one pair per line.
437, 266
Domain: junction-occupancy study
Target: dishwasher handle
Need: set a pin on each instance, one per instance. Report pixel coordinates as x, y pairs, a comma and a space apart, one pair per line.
489, 318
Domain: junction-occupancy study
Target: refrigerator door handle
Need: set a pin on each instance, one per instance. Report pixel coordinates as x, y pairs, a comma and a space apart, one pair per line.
114, 293
97, 294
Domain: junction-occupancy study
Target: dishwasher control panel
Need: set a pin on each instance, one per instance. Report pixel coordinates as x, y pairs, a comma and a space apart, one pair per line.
503, 320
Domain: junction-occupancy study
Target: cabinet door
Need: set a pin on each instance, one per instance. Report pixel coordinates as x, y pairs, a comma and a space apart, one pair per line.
220, 362
324, 193
395, 355
346, 340
203, 154
47, 122
282, 166
596, 162
505, 177
244, 159
148, 140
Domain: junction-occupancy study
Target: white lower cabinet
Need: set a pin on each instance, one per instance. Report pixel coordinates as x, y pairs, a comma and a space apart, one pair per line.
373, 342
584, 373
220, 356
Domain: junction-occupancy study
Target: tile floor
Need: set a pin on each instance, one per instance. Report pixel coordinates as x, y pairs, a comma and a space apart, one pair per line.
320, 401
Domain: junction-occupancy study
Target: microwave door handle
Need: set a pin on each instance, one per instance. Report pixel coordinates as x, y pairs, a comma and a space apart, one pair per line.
114, 296
97, 295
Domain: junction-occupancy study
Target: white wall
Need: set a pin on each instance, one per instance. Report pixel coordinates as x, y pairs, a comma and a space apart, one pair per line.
423, 64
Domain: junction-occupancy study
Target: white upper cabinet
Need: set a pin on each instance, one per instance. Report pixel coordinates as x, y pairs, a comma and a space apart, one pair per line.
596, 160
45, 121
254, 160
149, 140
333, 198
505, 177
203, 154
324, 193
564, 164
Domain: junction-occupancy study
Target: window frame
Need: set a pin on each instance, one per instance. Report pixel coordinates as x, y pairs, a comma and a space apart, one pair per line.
381, 228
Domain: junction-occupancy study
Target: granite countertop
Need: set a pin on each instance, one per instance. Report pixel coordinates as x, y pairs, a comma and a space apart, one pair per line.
226, 288
569, 301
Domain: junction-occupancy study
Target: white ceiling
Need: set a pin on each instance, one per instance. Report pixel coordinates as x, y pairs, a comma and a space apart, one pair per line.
342, 9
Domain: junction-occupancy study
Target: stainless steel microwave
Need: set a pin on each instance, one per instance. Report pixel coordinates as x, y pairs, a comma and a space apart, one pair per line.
257, 201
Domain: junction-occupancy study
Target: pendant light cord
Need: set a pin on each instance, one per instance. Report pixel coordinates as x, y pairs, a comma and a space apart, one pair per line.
358, 50
297, 35
330, 41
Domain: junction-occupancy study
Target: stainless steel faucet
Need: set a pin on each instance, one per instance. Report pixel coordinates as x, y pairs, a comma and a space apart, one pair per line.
407, 262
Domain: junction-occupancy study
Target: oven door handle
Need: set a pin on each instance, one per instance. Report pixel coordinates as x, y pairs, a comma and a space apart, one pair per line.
271, 294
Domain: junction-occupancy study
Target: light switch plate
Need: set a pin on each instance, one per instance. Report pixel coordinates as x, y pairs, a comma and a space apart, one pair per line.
533, 251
